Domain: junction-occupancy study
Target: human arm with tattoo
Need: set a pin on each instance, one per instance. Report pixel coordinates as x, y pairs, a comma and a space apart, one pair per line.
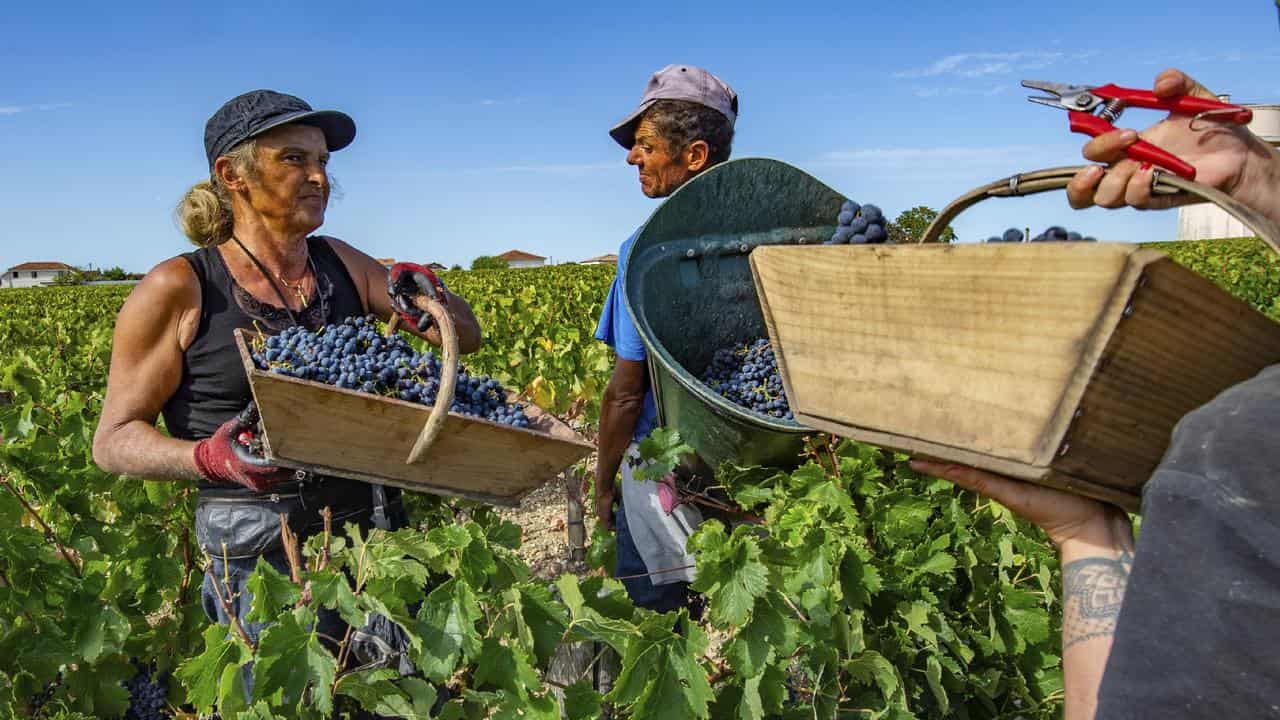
1095, 546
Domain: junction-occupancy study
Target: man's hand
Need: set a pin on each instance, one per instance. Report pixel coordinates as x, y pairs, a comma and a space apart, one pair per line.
226, 456
605, 493
1063, 516
405, 282
1224, 156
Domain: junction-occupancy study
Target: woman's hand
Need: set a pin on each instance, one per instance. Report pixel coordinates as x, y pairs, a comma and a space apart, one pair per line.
1064, 517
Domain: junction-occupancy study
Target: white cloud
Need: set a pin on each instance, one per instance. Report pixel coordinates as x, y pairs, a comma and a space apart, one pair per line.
15, 109
984, 64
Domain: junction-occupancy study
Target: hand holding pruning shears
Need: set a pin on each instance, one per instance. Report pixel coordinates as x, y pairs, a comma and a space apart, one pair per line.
1202, 138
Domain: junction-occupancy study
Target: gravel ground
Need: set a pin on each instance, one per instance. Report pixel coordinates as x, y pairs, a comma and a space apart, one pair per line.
542, 515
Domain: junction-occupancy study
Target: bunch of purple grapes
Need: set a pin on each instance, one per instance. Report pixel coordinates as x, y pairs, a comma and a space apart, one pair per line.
354, 355
147, 695
1055, 233
747, 375
859, 225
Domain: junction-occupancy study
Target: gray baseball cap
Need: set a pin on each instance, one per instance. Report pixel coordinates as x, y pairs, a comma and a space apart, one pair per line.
679, 82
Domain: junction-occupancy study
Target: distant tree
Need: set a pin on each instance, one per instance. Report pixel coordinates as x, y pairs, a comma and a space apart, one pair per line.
456, 267
488, 262
911, 224
71, 277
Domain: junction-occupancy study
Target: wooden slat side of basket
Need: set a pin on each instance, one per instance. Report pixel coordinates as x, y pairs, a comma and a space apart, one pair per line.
346, 433
1136, 358
1181, 341
968, 347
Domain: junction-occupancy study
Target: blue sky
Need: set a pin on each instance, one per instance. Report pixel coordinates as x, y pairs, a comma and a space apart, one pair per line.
482, 126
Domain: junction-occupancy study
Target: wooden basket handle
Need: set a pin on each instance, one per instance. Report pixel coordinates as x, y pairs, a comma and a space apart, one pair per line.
1038, 181
448, 374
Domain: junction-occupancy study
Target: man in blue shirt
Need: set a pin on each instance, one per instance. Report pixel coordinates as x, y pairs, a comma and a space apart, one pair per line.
683, 125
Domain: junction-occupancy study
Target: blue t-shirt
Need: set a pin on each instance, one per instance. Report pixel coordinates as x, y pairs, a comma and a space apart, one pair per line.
618, 332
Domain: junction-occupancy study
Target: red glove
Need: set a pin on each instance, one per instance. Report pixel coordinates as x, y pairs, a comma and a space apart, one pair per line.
228, 457
404, 283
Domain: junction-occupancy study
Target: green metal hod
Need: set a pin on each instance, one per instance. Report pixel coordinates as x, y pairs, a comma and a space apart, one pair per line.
689, 290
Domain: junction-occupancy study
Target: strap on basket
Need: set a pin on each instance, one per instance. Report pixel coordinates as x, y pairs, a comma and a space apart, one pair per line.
448, 374
1038, 181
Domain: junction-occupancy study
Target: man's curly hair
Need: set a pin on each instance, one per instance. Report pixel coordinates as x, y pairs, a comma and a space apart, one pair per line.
681, 123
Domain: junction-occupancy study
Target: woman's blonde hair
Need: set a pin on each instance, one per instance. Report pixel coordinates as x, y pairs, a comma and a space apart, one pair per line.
204, 213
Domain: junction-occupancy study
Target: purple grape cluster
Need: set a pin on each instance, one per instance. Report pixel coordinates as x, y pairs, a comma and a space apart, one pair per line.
747, 375
1055, 233
147, 695
355, 356
859, 225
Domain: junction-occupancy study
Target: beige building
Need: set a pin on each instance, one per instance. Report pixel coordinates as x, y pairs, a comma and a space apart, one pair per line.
34, 274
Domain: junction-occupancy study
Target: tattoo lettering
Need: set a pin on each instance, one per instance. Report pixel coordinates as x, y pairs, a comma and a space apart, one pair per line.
1092, 592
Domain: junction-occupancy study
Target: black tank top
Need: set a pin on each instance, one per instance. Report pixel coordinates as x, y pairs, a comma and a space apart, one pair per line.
214, 387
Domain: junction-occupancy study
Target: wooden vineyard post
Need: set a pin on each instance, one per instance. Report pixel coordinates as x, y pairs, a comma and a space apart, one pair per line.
575, 523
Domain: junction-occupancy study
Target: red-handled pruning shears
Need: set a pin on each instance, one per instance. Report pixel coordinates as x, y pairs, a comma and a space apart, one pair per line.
1109, 101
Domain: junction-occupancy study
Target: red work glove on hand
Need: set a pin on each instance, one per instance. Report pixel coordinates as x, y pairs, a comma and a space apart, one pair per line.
226, 457
408, 280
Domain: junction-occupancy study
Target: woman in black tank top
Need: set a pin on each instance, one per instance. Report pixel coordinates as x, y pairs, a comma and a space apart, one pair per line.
174, 352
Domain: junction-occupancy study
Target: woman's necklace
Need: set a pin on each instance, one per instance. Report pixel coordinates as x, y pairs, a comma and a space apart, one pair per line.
296, 287
293, 318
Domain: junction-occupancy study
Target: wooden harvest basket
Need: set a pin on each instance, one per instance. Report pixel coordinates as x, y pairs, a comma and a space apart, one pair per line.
336, 431
1065, 364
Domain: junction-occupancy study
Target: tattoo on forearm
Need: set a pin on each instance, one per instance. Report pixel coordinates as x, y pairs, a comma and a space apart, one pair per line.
1092, 591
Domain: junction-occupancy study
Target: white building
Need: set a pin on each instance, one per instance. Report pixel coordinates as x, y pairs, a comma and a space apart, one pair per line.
609, 259
1209, 222
521, 259
33, 274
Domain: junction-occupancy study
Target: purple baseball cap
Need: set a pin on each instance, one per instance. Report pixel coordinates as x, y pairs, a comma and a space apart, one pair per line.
255, 112
679, 82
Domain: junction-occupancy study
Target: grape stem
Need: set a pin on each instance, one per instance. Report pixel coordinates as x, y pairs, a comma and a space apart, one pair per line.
48, 532
291, 550
224, 599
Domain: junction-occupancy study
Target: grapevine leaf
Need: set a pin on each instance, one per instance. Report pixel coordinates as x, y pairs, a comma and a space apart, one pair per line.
660, 453
581, 701
99, 689
661, 676
938, 564
730, 572
751, 707
231, 691
871, 668
859, 581
905, 519
99, 630
447, 625
271, 591
290, 658
203, 673
376, 693
545, 619
503, 667
769, 633
917, 616
332, 591
1025, 613
933, 673
603, 552
587, 622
